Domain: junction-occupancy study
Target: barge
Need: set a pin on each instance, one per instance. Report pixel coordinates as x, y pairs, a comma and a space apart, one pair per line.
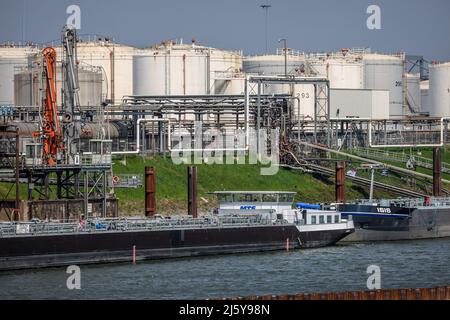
245, 222
399, 219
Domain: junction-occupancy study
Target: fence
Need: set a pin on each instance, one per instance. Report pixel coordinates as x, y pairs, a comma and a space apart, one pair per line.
440, 293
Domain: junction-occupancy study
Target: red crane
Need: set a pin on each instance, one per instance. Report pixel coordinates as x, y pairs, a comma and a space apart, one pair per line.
51, 130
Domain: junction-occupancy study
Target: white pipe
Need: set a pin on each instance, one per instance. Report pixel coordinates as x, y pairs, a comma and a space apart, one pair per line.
307, 79
354, 119
247, 113
138, 135
207, 150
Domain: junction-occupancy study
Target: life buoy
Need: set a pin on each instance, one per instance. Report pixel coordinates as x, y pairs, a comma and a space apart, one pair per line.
116, 179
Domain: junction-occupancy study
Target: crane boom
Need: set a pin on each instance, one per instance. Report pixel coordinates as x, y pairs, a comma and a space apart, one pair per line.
71, 99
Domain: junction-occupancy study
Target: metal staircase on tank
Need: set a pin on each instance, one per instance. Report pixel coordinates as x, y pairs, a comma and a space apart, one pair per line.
410, 161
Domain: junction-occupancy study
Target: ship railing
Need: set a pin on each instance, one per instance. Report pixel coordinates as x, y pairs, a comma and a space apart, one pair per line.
27, 228
410, 202
128, 224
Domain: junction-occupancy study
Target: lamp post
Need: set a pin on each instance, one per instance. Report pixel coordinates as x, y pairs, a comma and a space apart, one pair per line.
285, 56
266, 8
372, 167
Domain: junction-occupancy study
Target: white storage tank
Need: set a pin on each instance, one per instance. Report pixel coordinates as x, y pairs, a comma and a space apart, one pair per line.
179, 69
424, 96
385, 72
223, 61
343, 71
233, 85
27, 86
174, 73
274, 65
413, 97
440, 89
12, 59
115, 61
346, 74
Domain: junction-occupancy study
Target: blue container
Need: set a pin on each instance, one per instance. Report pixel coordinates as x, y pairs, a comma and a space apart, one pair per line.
308, 206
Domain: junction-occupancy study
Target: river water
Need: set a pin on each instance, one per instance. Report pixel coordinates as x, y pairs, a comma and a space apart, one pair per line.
410, 264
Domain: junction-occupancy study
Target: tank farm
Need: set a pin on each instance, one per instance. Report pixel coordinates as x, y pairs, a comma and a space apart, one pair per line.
73, 111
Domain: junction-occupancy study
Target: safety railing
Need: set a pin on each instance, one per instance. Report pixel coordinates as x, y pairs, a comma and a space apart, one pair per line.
399, 157
411, 203
128, 224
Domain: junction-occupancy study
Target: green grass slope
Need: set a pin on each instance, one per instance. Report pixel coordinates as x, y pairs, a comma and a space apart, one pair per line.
171, 184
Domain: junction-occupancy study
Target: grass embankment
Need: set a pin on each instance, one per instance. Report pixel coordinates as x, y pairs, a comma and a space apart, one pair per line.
171, 184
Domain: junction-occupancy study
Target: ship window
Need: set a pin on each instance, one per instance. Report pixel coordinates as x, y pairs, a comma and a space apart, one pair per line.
322, 220
336, 219
247, 197
225, 198
95, 147
269, 198
30, 151
286, 198
313, 220
329, 219
256, 198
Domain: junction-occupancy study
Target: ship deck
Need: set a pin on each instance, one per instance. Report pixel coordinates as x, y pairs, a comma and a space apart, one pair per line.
37, 228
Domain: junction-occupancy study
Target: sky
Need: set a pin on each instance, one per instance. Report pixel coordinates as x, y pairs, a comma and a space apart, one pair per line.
418, 27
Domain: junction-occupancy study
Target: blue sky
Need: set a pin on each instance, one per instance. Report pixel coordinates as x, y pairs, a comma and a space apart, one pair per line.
415, 26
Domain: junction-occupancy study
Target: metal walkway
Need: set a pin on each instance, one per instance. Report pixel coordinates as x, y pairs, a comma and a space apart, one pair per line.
307, 166
408, 160
366, 182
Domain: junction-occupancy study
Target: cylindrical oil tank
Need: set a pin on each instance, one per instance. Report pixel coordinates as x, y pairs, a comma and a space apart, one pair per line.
27, 86
343, 73
440, 89
424, 96
26, 129
224, 61
229, 86
91, 130
274, 65
90, 83
174, 73
414, 95
115, 62
385, 72
179, 69
12, 60
107, 130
